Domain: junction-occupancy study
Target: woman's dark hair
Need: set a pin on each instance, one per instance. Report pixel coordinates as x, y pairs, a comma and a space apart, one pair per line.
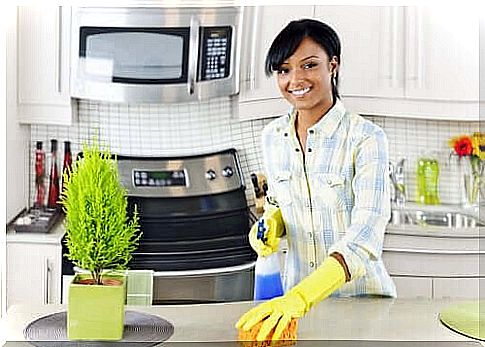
288, 40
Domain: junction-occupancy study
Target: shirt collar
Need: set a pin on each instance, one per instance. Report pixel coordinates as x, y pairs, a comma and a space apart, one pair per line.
326, 125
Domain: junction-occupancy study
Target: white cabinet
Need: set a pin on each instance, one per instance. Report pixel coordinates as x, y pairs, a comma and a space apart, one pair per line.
43, 39
33, 273
412, 61
431, 264
370, 48
259, 95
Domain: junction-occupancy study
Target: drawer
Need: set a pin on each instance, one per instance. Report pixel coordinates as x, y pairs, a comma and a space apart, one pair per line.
459, 288
412, 262
413, 287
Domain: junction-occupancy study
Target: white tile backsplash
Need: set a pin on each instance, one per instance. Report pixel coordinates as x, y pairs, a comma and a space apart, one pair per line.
201, 127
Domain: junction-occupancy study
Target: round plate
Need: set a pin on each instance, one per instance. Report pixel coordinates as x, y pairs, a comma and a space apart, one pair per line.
464, 318
141, 330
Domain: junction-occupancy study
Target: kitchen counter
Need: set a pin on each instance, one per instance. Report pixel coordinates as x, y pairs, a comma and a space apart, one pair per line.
333, 319
54, 236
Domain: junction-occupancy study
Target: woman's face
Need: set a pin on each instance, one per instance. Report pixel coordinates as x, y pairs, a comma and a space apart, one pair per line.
305, 78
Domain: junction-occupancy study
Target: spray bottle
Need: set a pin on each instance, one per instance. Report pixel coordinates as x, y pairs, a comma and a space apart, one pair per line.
267, 280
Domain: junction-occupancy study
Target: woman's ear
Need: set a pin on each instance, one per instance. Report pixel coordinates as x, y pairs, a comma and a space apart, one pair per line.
334, 65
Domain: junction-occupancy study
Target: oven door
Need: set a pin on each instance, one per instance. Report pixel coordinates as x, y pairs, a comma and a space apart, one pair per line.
234, 283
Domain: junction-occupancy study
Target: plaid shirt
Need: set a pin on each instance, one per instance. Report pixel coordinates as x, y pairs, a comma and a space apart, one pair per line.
333, 199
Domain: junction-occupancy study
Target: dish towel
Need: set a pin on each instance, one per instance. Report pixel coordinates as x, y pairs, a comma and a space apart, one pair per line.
139, 289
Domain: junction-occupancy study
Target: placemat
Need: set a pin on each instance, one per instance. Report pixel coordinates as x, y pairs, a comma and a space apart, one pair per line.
464, 318
141, 330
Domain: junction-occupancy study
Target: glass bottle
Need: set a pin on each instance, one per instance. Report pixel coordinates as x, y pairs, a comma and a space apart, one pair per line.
67, 166
427, 176
39, 175
53, 177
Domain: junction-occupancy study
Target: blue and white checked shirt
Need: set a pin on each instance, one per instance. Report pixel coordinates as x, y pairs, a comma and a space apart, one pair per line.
336, 199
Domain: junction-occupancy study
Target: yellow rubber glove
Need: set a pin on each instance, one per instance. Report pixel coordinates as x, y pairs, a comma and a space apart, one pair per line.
311, 290
273, 228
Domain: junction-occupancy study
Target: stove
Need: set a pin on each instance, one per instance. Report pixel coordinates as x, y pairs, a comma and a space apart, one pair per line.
195, 222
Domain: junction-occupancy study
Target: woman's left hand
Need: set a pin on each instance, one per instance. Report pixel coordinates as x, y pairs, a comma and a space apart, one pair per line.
276, 312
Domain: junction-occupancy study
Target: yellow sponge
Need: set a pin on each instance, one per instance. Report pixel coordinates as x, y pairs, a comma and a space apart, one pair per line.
287, 338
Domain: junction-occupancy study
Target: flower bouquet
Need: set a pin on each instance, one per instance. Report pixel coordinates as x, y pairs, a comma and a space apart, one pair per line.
471, 148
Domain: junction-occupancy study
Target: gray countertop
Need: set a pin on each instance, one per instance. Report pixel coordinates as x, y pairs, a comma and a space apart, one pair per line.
54, 236
333, 319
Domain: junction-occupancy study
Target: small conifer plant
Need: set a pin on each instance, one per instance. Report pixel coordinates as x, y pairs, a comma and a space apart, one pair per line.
100, 236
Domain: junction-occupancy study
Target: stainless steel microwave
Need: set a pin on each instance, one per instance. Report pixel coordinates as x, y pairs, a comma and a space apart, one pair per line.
155, 55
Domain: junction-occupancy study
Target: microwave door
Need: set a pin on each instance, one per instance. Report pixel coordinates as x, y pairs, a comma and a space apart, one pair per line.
134, 64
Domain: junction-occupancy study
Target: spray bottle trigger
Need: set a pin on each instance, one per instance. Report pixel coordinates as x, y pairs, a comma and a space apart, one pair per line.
261, 231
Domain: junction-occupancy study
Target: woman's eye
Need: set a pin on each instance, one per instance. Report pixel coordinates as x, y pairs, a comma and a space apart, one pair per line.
309, 65
282, 71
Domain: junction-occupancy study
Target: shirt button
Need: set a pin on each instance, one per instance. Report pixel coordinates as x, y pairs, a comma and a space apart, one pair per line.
286, 134
310, 235
297, 149
309, 149
329, 181
312, 264
311, 131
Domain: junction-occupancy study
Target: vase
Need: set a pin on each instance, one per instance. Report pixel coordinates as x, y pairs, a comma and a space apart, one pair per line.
473, 181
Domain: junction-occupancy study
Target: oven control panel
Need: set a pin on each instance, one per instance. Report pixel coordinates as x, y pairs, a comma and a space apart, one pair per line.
159, 178
178, 177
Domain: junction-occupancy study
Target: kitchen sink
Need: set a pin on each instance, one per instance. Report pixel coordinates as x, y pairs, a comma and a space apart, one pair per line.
445, 219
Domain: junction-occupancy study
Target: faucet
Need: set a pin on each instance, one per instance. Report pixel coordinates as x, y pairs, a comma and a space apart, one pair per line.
398, 189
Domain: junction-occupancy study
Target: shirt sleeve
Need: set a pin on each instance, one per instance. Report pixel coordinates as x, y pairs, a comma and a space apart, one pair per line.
370, 214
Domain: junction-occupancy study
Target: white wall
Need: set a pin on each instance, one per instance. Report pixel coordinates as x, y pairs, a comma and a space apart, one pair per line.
17, 136
16, 159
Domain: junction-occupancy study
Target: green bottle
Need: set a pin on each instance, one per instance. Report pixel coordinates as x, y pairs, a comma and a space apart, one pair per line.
427, 175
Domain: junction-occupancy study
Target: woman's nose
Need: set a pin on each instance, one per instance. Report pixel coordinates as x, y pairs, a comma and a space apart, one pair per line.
296, 76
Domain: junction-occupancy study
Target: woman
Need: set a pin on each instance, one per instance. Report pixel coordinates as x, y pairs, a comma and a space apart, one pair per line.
328, 184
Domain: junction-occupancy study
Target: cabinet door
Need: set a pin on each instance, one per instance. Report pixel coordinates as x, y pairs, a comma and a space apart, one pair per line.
371, 48
33, 273
442, 58
259, 95
43, 64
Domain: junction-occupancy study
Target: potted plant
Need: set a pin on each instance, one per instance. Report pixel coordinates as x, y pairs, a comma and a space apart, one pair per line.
100, 239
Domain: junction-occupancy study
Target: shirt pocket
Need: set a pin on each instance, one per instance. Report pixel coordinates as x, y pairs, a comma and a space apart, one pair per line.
282, 188
330, 191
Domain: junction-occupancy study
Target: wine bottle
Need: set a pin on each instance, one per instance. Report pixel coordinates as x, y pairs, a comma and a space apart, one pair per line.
53, 177
39, 175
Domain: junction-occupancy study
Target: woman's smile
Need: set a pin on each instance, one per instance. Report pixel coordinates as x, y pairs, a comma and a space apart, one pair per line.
301, 92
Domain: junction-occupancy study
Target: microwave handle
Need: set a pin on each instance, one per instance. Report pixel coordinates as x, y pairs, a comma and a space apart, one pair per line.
193, 53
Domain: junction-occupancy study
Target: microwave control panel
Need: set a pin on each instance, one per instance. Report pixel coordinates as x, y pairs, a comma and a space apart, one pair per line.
216, 52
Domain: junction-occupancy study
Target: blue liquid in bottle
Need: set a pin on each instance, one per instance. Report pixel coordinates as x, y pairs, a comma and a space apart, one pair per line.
267, 286
267, 278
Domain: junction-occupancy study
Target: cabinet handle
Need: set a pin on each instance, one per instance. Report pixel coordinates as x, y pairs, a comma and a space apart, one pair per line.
389, 28
193, 54
414, 41
419, 47
254, 41
394, 30
59, 50
47, 271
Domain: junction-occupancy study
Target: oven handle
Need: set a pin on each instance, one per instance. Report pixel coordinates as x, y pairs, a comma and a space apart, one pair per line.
201, 272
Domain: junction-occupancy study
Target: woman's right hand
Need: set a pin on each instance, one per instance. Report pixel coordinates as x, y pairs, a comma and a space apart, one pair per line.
271, 227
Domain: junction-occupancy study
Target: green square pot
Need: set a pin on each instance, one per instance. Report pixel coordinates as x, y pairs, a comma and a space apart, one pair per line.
96, 312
